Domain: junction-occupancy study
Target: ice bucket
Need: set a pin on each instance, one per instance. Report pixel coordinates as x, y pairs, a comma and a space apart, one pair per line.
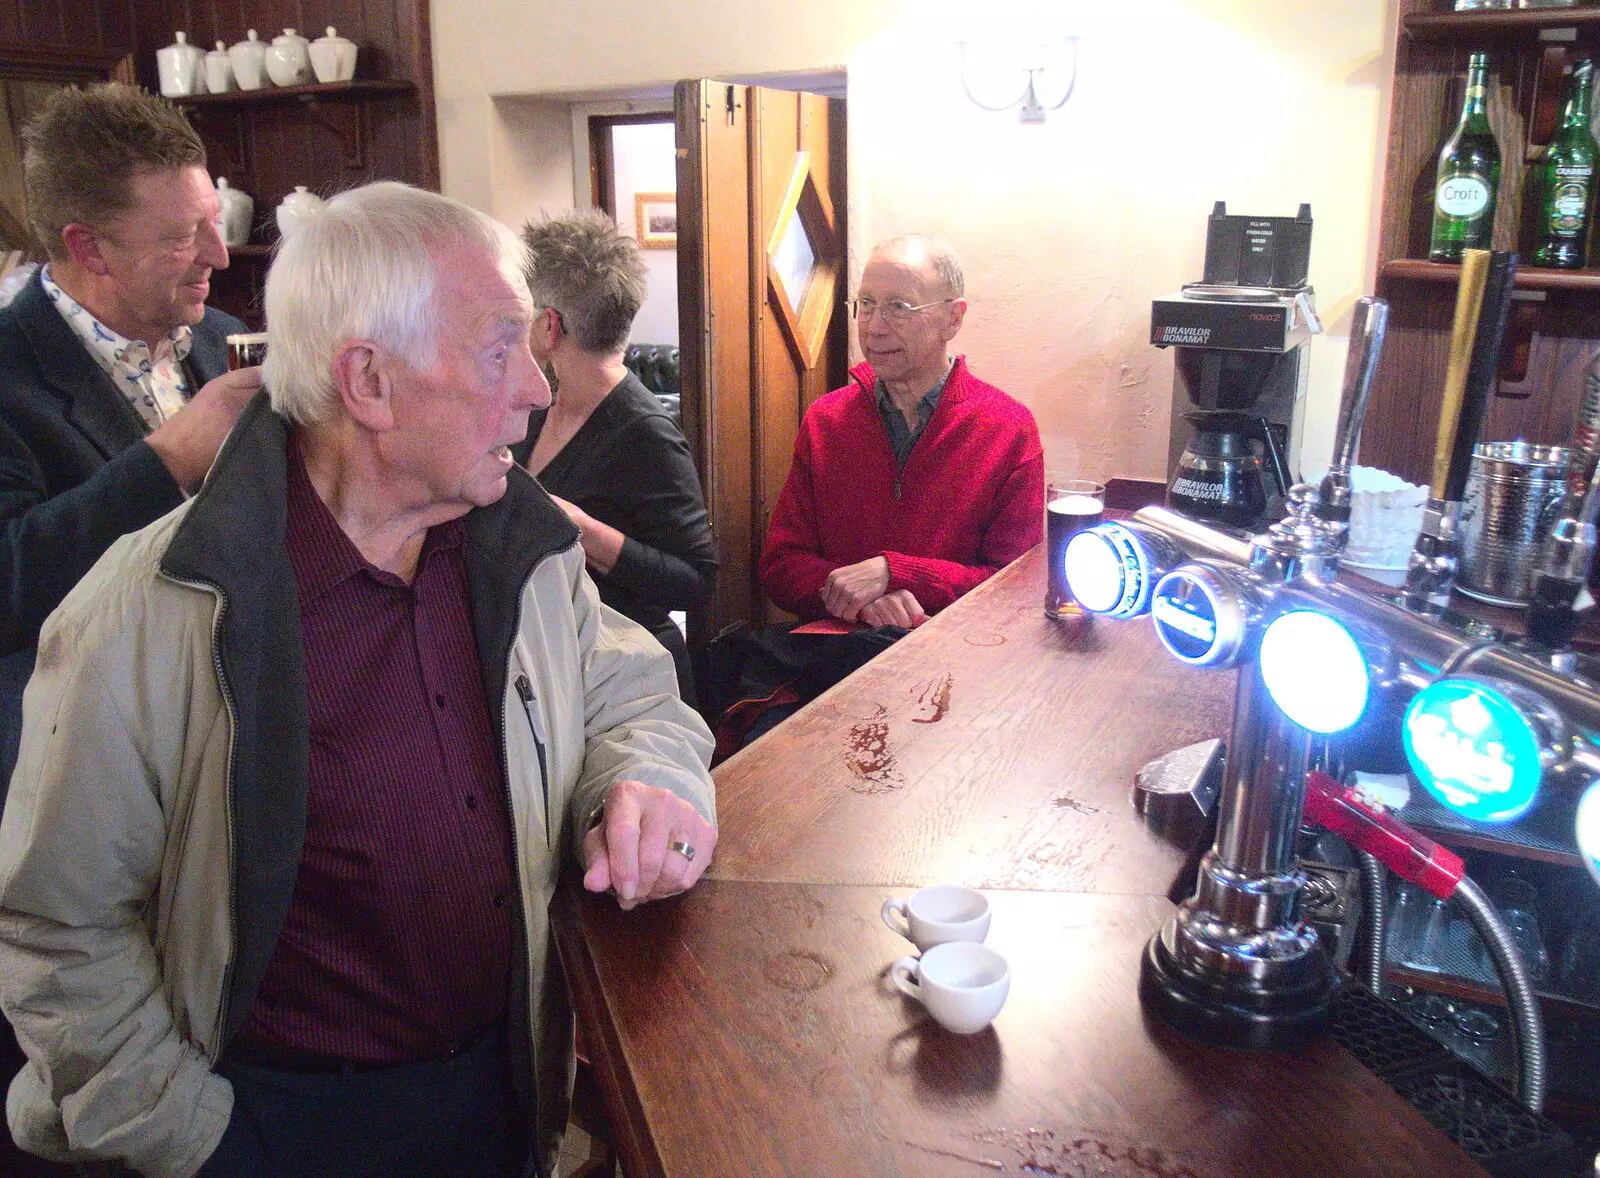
1511, 490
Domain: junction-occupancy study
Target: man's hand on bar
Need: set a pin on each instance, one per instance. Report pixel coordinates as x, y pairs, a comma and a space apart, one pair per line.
634, 850
851, 587
900, 608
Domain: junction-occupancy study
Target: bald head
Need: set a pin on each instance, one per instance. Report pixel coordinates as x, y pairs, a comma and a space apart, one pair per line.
919, 251
909, 307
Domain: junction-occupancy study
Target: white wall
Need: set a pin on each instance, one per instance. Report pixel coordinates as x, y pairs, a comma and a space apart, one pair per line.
644, 162
531, 173
1067, 229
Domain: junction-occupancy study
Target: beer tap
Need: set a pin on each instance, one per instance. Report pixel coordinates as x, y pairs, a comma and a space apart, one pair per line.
1568, 552
1483, 304
1368, 324
1488, 727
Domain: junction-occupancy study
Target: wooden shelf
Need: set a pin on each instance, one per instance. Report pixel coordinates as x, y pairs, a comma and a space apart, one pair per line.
1520, 23
360, 88
1528, 277
1453, 987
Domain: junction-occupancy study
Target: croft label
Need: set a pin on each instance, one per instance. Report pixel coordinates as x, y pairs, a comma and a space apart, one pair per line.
1463, 196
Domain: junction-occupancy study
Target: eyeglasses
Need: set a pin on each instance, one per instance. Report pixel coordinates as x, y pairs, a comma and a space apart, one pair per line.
895, 310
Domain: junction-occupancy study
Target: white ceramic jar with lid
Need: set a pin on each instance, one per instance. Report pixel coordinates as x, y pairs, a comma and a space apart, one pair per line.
248, 58
295, 208
219, 71
238, 213
333, 57
289, 59
179, 68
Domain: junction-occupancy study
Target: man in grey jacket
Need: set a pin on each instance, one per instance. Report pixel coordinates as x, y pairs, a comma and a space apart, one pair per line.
302, 761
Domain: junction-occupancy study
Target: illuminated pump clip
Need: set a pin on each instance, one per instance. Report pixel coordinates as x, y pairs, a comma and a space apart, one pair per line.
1476, 750
1113, 567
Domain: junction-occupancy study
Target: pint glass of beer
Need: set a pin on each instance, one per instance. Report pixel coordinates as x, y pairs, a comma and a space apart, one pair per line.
246, 351
1070, 505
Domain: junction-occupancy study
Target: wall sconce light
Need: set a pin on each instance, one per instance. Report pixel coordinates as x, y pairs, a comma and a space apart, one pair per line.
1034, 73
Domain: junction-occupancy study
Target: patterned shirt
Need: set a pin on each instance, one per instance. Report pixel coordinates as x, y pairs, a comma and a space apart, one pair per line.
155, 385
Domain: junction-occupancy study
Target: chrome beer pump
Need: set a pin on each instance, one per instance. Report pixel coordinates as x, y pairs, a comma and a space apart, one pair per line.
1489, 725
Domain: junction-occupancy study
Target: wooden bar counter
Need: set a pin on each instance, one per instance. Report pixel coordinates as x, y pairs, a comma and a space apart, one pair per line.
749, 1029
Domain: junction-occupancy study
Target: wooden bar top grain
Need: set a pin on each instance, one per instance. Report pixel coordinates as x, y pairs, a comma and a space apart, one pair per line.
989, 747
753, 1032
748, 1030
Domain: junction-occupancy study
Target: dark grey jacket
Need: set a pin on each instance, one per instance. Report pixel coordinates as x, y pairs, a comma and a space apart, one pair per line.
75, 474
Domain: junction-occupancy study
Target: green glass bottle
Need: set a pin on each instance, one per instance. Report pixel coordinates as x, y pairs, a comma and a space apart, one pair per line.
1568, 179
1468, 176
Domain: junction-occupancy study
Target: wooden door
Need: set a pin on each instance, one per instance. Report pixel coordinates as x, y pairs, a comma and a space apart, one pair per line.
761, 281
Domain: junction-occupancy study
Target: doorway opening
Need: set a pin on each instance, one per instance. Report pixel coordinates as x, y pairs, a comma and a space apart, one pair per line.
633, 178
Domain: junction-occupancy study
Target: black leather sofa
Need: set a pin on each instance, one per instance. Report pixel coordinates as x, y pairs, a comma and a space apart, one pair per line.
656, 366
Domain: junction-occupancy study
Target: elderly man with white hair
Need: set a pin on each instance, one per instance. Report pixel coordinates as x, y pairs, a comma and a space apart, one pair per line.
302, 761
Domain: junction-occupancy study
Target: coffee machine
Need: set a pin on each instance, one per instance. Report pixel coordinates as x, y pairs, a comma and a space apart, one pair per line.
1239, 339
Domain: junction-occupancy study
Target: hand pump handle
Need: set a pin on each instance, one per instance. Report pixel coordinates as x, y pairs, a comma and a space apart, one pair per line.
1368, 325
1463, 334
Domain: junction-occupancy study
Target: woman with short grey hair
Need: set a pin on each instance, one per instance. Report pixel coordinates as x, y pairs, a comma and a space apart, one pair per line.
606, 450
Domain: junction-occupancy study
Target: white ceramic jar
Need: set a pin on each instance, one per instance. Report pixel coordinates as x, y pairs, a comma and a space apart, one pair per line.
219, 71
289, 59
179, 68
238, 213
248, 58
333, 57
295, 208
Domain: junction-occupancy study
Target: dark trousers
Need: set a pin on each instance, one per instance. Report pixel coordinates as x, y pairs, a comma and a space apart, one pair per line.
446, 1118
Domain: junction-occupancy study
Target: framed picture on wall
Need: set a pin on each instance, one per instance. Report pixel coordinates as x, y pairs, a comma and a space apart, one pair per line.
656, 215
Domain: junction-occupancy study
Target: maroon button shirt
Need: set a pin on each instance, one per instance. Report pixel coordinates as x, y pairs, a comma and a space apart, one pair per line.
399, 937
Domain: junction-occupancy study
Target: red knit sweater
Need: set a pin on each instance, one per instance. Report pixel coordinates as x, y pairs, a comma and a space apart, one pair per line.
969, 500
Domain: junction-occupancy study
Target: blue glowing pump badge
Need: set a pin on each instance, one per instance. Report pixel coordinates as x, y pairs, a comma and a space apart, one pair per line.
1198, 616
1473, 750
1108, 569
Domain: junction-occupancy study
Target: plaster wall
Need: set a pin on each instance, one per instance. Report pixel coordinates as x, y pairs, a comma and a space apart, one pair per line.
1068, 228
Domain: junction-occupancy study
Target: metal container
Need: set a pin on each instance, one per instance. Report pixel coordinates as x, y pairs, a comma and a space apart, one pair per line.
1512, 488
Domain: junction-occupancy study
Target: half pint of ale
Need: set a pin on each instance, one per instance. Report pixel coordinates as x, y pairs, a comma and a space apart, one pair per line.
1070, 505
246, 351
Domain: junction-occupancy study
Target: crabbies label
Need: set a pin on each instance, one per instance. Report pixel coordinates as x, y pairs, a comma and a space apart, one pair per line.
1569, 201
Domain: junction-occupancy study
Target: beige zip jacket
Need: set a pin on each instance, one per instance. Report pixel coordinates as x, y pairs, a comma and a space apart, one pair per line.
137, 891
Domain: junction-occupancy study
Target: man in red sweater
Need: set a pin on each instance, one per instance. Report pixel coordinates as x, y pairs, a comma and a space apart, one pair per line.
916, 481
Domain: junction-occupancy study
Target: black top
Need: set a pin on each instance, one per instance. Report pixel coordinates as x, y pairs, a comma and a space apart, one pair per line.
629, 466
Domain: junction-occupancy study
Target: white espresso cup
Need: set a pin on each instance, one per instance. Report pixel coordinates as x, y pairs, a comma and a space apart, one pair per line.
963, 985
944, 912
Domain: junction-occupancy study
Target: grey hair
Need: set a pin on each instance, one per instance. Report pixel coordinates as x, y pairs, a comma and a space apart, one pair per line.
363, 268
946, 266
580, 265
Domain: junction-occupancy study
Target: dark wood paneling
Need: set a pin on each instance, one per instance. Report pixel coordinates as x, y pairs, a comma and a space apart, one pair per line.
70, 25
1402, 419
328, 143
